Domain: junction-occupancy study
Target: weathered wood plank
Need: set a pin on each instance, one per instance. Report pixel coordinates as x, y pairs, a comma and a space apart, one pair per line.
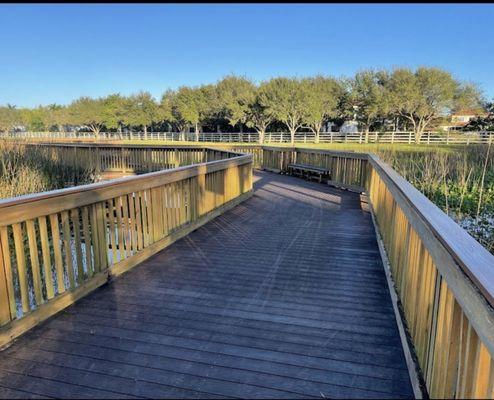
20, 258
34, 258
45, 249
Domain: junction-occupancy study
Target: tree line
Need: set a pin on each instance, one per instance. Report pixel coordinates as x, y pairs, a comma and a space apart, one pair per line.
408, 99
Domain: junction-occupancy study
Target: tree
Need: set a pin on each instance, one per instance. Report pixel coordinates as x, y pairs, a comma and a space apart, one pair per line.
142, 110
425, 95
257, 115
188, 105
210, 110
468, 96
56, 115
89, 112
283, 99
9, 118
484, 122
367, 98
322, 101
170, 111
114, 111
235, 96
194, 105
34, 119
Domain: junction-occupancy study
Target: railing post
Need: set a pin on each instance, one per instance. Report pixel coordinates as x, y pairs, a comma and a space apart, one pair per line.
4, 293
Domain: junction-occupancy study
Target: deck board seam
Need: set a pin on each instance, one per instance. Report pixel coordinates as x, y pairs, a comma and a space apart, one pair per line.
156, 383
267, 313
2, 368
342, 331
382, 316
231, 381
283, 323
326, 347
273, 351
16, 389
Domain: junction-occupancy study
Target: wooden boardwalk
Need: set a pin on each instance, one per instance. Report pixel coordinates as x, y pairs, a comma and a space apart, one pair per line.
284, 296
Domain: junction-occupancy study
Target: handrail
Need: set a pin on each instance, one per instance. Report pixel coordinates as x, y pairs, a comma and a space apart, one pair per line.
206, 146
473, 258
57, 246
444, 280
443, 277
17, 209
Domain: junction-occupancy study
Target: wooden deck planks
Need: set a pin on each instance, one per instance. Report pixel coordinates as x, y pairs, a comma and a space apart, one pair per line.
283, 296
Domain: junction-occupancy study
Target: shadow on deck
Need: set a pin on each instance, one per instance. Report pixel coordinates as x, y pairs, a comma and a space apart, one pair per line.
284, 296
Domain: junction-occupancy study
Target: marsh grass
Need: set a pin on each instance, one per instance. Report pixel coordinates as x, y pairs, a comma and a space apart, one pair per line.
31, 169
460, 181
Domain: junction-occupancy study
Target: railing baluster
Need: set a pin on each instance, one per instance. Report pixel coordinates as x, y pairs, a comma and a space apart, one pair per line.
35, 268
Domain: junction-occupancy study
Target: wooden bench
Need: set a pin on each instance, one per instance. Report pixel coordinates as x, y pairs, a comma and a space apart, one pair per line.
309, 171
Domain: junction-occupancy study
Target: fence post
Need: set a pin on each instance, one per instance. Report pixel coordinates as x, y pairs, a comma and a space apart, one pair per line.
360, 137
428, 138
447, 136
392, 136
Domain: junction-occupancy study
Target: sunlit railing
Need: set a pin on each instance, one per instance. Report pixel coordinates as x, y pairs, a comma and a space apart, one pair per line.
57, 246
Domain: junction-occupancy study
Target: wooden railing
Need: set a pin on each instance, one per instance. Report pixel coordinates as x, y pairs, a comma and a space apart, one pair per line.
405, 137
443, 278
139, 158
57, 246
126, 157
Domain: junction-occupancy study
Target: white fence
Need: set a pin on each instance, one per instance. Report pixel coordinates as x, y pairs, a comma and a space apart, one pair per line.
270, 137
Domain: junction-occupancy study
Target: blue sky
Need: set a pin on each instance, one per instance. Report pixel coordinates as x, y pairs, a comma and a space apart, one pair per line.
56, 53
